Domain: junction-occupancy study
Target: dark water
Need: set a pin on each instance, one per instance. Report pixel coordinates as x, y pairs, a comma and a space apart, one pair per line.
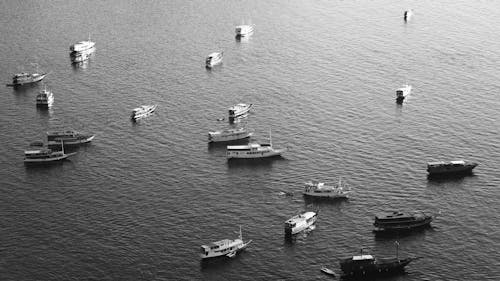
138, 202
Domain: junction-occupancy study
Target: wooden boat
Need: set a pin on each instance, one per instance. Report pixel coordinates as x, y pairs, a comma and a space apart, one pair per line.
224, 248
327, 271
398, 221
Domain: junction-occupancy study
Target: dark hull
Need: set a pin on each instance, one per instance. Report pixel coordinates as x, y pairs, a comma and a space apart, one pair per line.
462, 171
369, 271
403, 227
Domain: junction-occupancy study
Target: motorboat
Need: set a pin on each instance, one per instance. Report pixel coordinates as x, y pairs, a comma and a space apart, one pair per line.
214, 59
450, 167
253, 150
407, 15
229, 135
26, 78
300, 223
328, 271
244, 30
69, 138
224, 248
403, 92
77, 57
239, 110
82, 46
45, 98
399, 221
317, 189
142, 111
39, 155
367, 267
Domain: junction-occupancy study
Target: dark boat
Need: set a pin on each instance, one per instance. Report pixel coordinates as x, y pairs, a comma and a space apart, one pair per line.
398, 221
450, 167
369, 267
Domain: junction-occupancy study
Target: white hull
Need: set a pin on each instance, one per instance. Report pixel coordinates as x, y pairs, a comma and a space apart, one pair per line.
244, 30
226, 253
301, 226
227, 138
262, 154
239, 110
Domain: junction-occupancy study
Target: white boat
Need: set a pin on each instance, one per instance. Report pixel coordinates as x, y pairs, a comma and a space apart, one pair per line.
300, 223
68, 137
229, 135
225, 247
26, 78
77, 57
45, 98
403, 92
327, 271
82, 46
407, 15
253, 150
214, 59
244, 30
45, 155
142, 111
320, 190
239, 110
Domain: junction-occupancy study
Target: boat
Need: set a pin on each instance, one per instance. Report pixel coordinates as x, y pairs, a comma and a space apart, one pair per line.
403, 92
229, 135
253, 150
82, 46
300, 223
45, 98
398, 221
407, 15
327, 271
369, 267
77, 57
224, 248
26, 78
317, 189
38, 155
68, 137
239, 110
214, 59
244, 30
142, 111
450, 167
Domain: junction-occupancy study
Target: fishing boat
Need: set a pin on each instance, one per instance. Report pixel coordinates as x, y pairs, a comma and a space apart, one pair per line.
45, 98
239, 110
403, 92
450, 167
315, 189
69, 138
229, 135
368, 267
398, 221
327, 271
300, 223
253, 150
244, 30
224, 248
142, 111
41, 155
214, 59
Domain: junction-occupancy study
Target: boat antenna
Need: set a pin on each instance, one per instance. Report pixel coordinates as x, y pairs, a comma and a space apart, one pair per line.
397, 249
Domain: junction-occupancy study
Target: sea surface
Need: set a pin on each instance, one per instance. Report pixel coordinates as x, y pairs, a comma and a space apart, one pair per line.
137, 203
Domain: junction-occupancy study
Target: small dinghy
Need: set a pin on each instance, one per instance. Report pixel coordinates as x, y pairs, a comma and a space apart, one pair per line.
327, 271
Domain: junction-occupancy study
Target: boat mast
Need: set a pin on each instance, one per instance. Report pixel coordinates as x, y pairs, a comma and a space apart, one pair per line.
241, 236
397, 249
270, 138
62, 146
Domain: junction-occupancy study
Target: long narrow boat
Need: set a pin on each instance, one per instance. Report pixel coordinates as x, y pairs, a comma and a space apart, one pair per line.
224, 248
45, 155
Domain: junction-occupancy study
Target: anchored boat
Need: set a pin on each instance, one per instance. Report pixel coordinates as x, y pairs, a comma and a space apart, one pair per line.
229, 135
450, 167
244, 30
253, 150
42, 155
398, 221
239, 110
68, 137
45, 98
225, 247
300, 223
214, 59
315, 189
142, 111
402, 93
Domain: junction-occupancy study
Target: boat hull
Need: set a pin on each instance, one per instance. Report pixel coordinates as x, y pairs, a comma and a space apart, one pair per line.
369, 271
316, 195
229, 138
403, 227
259, 155
55, 159
34, 80
451, 171
238, 113
70, 142
226, 254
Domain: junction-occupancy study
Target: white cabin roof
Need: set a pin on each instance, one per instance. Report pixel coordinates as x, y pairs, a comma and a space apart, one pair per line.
362, 257
460, 162
248, 146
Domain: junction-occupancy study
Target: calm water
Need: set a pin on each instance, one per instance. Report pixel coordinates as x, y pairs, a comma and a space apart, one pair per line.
138, 202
